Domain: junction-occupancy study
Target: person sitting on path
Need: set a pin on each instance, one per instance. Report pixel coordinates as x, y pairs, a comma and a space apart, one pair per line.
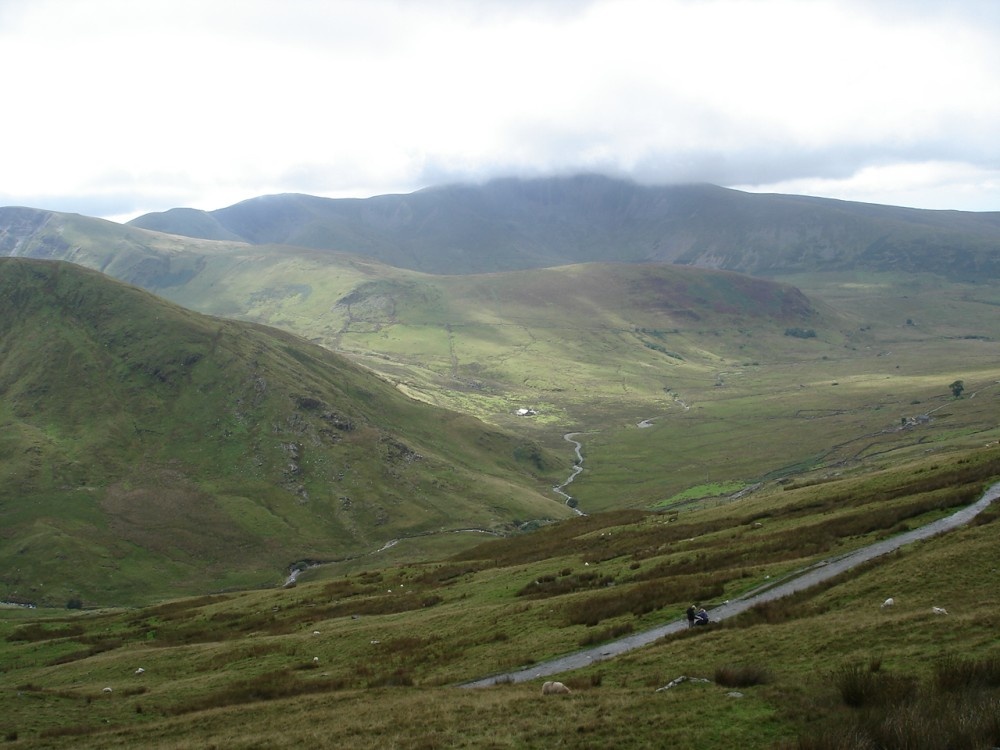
701, 618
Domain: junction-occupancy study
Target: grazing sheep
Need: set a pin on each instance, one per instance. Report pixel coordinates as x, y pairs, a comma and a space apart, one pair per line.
939, 610
555, 688
140, 670
888, 602
106, 690
315, 660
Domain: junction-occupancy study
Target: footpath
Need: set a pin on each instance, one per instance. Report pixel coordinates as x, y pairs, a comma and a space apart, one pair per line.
798, 581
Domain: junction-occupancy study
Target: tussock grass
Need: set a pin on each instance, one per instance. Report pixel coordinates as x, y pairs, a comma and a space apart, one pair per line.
241, 666
742, 675
957, 708
955, 674
859, 687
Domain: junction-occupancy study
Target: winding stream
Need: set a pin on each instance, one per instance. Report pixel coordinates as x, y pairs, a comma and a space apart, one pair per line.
803, 579
577, 468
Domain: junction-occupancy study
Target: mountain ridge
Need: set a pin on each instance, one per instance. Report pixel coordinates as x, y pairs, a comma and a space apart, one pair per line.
514, 224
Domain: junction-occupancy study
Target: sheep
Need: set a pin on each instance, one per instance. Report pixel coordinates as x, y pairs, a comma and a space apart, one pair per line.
140, 670
939, 610
315, 660
888, 602
555, 688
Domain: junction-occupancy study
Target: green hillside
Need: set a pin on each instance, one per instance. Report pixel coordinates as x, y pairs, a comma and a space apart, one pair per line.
148, 450
371, 657
734, 379
734, 430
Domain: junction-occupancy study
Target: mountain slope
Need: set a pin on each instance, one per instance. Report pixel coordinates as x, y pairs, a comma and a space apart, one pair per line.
370, 658
516, 224
147, 450
736, 377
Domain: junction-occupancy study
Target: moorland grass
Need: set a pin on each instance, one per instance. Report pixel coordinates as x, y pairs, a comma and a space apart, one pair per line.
238, 669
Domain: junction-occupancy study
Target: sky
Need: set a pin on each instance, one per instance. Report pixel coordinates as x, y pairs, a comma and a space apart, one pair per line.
115, 108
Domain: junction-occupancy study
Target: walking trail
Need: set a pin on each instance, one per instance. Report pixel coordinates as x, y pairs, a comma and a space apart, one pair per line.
799, 581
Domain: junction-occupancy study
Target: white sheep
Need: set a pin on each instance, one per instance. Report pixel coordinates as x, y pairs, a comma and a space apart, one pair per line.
555, 688
140, 670
939, 610
888, 602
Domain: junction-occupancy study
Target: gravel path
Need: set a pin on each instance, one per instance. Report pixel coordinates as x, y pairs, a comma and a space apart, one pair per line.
773, 590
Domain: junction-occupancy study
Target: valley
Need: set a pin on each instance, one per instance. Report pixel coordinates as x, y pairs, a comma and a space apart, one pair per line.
286, 495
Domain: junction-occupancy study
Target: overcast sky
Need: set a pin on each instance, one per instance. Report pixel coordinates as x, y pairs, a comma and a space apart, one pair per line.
118, 107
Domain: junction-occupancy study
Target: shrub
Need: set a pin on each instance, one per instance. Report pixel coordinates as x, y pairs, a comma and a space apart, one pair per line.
549, 585
398, 678
263, 687
642, 598
607, 634
36, 631
953, 674
861, 687
932, 721
741, 675
801, 333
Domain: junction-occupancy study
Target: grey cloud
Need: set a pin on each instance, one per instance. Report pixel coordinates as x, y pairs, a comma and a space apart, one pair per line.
86, 204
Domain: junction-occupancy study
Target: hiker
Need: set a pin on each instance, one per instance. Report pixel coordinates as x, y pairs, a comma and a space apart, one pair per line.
701, 618
690, 614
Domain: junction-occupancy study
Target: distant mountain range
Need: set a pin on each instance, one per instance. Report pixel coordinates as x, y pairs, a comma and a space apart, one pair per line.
514, 224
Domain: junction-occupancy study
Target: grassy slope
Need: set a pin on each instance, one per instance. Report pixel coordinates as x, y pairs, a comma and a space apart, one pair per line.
149, 450
597, 349
884, 367
238, 670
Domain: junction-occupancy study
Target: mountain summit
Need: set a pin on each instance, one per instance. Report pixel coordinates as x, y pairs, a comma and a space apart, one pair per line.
513, 224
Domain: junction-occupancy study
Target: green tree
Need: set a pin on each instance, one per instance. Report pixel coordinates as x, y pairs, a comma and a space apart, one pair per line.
956, 388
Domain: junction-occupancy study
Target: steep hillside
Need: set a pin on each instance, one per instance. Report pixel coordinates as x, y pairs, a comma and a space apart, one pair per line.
682, 380
517, 224
148, 450
485, 343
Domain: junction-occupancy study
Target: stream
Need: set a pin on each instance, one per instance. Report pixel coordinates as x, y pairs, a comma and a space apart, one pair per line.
770, 591
577, 468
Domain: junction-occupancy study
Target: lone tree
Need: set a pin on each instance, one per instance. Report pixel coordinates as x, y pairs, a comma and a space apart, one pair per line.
956, 388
